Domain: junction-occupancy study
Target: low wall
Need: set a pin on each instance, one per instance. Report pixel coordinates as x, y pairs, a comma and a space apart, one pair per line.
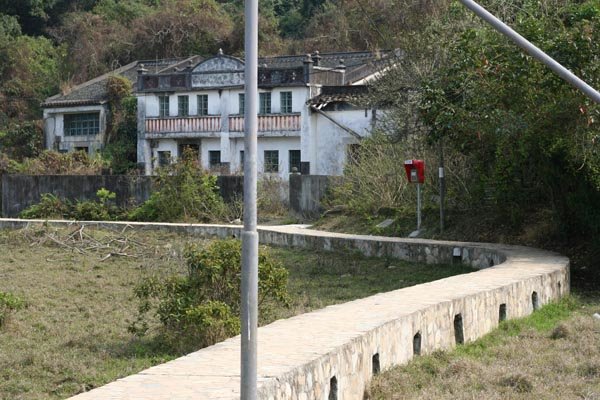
306, 193
333, 353
22, 191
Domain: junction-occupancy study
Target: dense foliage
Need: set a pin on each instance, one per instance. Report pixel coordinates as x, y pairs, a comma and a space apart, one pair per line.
203, 307
531, 137
183, 191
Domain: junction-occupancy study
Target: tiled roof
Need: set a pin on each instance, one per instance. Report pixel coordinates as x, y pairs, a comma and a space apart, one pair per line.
94, 91
339, 94
358, 65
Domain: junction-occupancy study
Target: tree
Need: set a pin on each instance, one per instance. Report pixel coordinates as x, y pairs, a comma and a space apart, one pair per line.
532, 137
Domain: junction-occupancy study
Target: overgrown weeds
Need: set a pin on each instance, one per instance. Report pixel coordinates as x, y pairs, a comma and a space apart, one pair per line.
521, 360
9, 303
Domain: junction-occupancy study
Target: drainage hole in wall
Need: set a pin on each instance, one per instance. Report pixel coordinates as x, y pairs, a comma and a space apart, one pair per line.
502, 313
459, 335
417, 344
535, 302
333, 389
559, 289
376, 364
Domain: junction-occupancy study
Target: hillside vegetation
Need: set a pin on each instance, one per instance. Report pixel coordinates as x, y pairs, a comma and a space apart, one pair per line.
519, 144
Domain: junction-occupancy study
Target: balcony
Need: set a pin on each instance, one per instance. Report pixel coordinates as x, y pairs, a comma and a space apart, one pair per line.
268, 123
184, 124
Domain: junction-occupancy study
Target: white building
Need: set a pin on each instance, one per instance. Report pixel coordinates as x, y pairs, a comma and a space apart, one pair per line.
308, 112
78, 119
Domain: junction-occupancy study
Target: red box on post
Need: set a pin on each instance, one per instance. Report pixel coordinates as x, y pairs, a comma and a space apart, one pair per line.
415, 170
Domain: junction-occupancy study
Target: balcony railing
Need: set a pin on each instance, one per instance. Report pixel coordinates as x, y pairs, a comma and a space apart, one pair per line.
183, 124
268, 123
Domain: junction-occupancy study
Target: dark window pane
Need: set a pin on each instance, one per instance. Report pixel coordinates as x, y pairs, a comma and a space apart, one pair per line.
271, 161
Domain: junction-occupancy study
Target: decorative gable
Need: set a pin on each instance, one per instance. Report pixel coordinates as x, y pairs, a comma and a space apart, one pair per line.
219, 71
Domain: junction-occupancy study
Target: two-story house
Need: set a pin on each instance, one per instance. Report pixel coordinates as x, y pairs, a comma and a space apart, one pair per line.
310, 111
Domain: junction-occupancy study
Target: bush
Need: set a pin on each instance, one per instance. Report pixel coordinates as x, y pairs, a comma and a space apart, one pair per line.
101, 210
203, 307
50, 206
9, 303
184, 192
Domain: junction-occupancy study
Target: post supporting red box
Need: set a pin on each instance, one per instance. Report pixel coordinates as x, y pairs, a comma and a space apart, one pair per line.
415, 171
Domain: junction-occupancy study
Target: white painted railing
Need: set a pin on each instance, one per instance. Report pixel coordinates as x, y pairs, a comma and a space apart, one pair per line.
184, 124
268, 123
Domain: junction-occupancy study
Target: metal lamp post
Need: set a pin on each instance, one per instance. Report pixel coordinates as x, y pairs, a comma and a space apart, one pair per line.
249, 295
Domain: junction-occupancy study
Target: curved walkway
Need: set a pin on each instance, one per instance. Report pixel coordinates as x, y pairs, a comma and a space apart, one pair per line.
332, 353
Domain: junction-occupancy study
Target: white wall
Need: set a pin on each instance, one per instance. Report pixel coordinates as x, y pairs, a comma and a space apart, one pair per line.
54, 128
331, 141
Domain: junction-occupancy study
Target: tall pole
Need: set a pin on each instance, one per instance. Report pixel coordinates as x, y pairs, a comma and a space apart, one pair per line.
418, 207
533, 51
442, 180
249, 295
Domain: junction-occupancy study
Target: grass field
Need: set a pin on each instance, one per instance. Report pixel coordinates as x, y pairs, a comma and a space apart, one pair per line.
78, 288
552, 354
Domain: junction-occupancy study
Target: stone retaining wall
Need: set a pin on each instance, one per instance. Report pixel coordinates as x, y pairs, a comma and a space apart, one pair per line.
333, 353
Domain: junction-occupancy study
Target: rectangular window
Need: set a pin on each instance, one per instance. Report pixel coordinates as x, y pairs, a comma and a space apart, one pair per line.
295, 160
242, 102
242, 160
164, 158
183, 106
214, 158
202, 104
82, 124
271, 161
163, 106
265, 103
286, 102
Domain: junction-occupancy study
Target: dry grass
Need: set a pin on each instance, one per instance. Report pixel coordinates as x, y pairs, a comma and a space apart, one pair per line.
72, 336
539, 357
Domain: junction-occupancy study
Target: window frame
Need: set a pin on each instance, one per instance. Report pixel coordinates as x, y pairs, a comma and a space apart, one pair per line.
292, 164
202, 106
211, 163
271, 161
264, 99
163, 157
285, 102
81, 124
241, 103
164, 106
183, 106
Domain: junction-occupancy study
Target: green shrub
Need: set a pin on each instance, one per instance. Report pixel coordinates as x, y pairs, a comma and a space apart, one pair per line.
9, 303
50, 206
184, 192
101, 210
203, 306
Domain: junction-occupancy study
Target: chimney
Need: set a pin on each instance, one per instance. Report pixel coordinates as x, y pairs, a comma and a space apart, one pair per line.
141, 71
308, 68
317, 58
